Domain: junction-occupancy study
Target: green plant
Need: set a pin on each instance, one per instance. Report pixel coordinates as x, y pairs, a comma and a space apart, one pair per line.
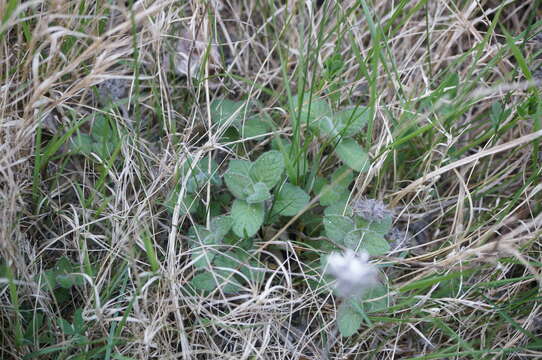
263, 194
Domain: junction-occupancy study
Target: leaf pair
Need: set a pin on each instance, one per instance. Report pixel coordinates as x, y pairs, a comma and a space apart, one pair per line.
238, 114
343, 125
356, 233
199, 174
352, 312
251, 183
103, 139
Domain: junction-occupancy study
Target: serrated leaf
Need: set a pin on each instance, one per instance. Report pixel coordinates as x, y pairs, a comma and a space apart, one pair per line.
221, 225
259, 192
198, 235
189, 203
349, 122
66, 327
254, 126
268, 168
368, 302
202, 258
326, 127
349, 152
65, 281
82, 144
225, 279
201, 173
290, 200
381, 227
337, 227
237, 178
225, 111
338, 208
101, 129
312, 110
332, 194
348, 319
367, 240
247, 218
204, 281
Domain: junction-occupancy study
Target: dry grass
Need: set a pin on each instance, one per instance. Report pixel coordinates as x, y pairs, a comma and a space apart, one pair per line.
469, 290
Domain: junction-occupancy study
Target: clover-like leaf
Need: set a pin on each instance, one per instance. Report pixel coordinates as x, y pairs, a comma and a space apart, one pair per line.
330, 194
348, 319
101, 129
237, 178
201, 172
82, 144
367, 240
349, 122
311, 112
247, 218
189, 203
221, 225
337, 227
254, 126
268, 168
381, 227
349, 151
225, 111
374, 299
259, 192
208, 281
290, 200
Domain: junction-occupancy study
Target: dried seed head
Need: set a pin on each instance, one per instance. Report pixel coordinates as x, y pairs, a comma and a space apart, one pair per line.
398, 238
353, 272
371, 209
114, 89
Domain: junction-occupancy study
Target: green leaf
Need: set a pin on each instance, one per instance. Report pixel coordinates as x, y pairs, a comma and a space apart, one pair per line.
326, 127
225, 111
255, 126
65, 281
237, 177
295, 165
268, 168
189, 203
101, 129
351, 121
66, 327
338, 208
221, 225
259, 192
201, 173
78, 321
337, 227
332, 195
202, 258
349, 151
361, 239
290, 200
348, 319
206, 281
369, 305
81, 144
342, 177
310, 112
381, 227
247, 218
198, 235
